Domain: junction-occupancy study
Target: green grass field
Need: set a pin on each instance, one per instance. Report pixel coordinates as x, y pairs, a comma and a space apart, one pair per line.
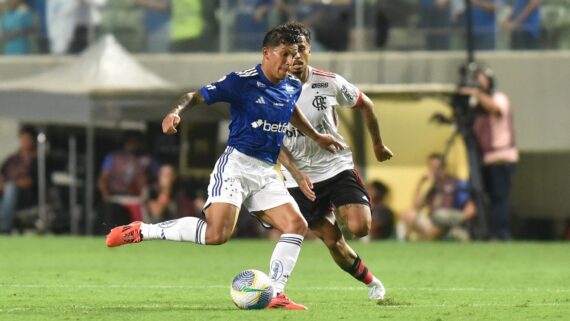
64, 278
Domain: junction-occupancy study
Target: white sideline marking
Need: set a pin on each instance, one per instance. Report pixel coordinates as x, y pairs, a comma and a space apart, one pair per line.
309, 288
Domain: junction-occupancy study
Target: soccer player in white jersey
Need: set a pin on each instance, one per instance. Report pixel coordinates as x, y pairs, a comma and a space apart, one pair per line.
321, 181
262, 102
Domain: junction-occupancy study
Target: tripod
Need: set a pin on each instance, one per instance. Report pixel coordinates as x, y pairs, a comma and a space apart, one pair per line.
479, 226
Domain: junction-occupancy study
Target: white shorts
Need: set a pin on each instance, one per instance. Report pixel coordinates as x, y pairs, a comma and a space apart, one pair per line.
241, 179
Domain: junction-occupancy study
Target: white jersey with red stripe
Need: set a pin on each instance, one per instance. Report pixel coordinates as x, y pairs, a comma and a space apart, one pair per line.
322, 93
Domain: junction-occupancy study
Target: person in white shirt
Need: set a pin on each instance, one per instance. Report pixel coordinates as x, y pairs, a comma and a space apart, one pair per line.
321, 182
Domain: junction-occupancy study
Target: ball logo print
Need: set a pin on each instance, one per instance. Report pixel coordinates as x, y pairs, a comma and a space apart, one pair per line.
251, 289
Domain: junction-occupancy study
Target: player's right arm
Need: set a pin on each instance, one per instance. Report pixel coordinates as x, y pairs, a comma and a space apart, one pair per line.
186, 101
304, 182
325, 141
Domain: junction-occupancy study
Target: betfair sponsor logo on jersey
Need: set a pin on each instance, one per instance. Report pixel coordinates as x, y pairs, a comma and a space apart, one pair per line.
270, 127
294, 133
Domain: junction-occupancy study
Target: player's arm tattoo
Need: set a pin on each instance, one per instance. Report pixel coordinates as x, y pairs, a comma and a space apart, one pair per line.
371, 120
187, 101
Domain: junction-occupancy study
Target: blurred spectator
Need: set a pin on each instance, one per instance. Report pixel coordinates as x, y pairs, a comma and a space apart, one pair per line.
162, 202
524, 24
457, 23
484, 20
435, 21
447, 201
124, 177
330, 22
494, 131
39, 10
381, 27
18, 180
60, 22
382, 224
72, 24
282, 11
187, 26
17, 24
157, 15
457, 12
250, 23
88, 21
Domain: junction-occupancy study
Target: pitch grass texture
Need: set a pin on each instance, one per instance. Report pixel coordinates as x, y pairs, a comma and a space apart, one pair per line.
65, 278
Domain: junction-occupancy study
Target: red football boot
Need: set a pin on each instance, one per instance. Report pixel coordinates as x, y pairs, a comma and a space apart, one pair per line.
125, 234
281, 301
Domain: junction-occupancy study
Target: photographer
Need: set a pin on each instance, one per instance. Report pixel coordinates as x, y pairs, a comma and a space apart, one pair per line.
494, 133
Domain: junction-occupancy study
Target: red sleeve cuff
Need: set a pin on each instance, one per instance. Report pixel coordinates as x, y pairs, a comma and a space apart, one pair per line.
359, 100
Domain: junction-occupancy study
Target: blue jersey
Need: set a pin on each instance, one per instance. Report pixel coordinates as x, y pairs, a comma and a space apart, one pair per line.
260, 110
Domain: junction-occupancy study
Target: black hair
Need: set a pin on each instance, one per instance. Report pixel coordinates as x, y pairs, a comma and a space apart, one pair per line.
435, 155
133, 135
438, 156
381, 188
301, 28
29, 130
287, 34
489, 74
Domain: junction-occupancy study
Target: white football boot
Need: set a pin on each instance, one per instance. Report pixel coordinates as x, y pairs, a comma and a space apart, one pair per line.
376, 292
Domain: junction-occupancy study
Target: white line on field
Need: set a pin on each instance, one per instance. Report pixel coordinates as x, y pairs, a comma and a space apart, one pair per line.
309, 288
14, 309
77, 307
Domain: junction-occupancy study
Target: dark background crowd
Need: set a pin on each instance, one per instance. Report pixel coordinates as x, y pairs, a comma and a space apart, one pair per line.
161, 26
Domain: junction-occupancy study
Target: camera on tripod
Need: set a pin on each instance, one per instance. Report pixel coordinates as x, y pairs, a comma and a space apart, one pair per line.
462, 113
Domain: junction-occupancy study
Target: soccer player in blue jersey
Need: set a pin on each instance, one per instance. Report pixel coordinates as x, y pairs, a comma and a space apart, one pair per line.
262, 103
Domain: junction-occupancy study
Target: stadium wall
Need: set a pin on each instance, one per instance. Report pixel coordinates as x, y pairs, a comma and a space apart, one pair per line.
537, 83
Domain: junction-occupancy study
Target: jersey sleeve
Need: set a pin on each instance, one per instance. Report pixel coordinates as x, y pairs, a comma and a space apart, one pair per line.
224, 90
348, 95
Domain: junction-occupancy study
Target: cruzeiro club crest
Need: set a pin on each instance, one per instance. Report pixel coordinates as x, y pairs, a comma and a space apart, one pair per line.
320, 102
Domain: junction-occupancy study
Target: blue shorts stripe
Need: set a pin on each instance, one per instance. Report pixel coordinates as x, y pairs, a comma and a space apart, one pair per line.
217, 188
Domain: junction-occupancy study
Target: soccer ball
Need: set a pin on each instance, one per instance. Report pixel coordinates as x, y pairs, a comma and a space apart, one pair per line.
251, 289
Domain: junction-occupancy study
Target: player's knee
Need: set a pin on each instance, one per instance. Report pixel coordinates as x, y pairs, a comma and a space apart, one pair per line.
298, 226
217, 238
360, 228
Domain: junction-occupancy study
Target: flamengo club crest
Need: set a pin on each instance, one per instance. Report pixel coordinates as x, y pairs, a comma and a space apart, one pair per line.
320, 102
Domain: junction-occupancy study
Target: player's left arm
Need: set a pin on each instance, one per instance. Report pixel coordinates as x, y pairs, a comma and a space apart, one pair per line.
185, 102
515, 22
325, 141
381, 151
304, 181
